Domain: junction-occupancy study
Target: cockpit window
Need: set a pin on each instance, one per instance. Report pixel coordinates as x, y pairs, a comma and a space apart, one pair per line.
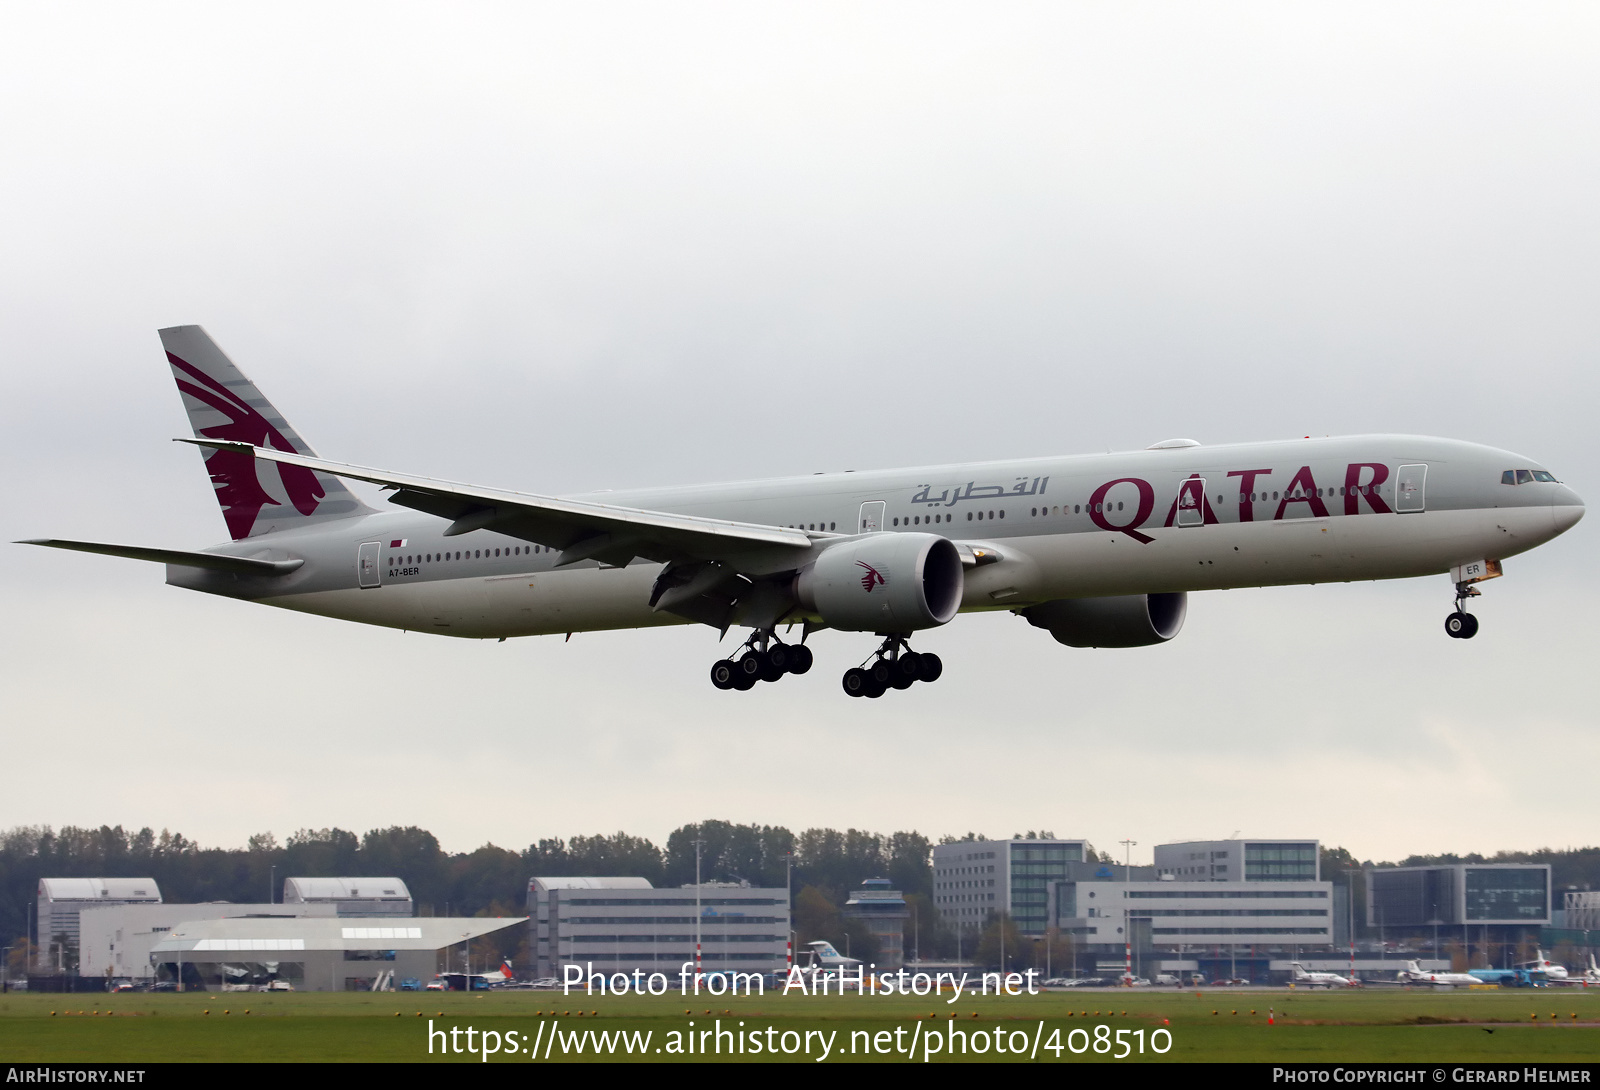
1527, 476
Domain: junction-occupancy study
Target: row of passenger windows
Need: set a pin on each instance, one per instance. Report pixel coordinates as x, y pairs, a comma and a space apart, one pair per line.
824, 526
468, 554
1526, 476
919, 520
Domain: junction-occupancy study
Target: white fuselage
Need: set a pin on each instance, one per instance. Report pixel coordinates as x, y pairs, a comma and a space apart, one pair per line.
1153, 521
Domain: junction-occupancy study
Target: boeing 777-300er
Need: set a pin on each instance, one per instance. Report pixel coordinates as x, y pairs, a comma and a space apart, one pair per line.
1099, 550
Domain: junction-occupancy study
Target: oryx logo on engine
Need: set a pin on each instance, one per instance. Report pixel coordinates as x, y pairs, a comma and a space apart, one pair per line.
873, 578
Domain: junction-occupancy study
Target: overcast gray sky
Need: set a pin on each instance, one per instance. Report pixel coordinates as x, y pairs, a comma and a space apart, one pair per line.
559, 247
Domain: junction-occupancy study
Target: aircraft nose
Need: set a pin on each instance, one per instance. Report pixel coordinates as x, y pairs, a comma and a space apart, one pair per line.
1566, 508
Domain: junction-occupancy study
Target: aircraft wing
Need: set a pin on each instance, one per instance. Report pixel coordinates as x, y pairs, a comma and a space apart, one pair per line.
581, 529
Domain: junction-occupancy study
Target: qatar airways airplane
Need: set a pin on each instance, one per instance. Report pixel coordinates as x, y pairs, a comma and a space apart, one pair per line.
1099, 550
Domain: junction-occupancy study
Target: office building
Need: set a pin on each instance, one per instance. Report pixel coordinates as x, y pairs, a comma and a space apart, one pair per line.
1490, 894
1240, 860
973, 879
612, 925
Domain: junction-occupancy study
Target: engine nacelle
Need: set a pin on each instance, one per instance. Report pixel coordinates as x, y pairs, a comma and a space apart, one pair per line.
1131, 620
884, 583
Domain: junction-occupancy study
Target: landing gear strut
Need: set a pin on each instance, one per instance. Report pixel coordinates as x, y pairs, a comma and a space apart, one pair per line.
894, 666
1462, 625
765, 658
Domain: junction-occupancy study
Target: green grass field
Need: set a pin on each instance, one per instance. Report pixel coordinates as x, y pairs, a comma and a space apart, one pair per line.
1347, 1026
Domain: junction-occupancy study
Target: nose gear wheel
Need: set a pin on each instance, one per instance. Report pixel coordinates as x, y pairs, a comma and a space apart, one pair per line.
1462, 625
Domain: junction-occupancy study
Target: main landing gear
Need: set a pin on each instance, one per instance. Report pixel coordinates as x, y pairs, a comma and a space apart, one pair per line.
1462, 625
765, 658
896, 666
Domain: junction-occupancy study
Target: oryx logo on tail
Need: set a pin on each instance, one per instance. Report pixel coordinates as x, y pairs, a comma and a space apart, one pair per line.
873, 578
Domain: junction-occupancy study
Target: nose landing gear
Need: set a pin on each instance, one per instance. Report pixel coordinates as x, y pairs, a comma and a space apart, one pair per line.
1462, 625
895, 666
765, 658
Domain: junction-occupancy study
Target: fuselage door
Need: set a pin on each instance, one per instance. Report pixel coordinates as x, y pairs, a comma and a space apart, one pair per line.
872, 516
367, 570
1411, 488
1192, 502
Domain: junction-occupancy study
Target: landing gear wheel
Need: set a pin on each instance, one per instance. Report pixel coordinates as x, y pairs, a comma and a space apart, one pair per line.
800, 659
775, 663
875, 688
742, 681
1472, 626
856, 682
1461, 626
904, 671
880, 674
929, 666
749, 668
722, 674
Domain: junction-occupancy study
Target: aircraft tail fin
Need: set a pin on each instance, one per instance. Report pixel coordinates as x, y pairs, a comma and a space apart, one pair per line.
257, 497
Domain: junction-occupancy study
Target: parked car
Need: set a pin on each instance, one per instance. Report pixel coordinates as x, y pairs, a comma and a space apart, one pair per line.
411, 984
277, 986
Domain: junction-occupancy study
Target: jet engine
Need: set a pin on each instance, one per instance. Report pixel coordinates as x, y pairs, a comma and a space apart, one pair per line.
1130, 620
884, 583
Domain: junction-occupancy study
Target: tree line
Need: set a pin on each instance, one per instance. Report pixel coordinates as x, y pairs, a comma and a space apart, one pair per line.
822, 865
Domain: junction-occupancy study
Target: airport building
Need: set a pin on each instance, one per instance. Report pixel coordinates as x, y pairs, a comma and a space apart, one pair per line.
1581, 911
1491, 908
62, 899
1490, 894
1240, 860
617, 925
314, 954
973, 879
115, 941
884, 912
351, 896
1218, 928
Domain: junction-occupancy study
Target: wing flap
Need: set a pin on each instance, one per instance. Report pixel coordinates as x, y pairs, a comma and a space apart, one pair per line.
235, 565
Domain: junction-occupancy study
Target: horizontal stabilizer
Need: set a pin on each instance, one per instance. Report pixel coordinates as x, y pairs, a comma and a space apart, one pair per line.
236, 565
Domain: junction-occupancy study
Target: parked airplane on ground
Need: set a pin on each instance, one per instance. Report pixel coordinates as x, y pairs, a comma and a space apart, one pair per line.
1098, 550
465, 982
825, 956
1540, 964
1414, 974
1317, 980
